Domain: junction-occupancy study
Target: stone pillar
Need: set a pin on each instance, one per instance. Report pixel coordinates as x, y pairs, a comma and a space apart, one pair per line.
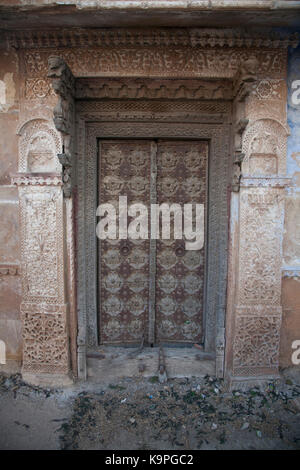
257, 218
47, 248
44, 307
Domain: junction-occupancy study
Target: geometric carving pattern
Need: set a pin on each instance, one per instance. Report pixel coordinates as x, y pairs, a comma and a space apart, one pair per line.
268, 89
38, 88
256, 345
124, 170
45, 340
121, 165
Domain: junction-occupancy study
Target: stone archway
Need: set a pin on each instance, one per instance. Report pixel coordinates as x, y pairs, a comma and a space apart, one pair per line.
253, 70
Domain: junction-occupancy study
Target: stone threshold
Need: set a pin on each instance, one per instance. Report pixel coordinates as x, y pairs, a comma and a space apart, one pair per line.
110, 363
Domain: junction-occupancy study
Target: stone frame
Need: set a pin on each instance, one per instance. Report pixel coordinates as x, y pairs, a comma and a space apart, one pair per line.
218, 135
254, 68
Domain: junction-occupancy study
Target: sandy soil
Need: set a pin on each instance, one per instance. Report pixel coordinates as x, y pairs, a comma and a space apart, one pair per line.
144, 414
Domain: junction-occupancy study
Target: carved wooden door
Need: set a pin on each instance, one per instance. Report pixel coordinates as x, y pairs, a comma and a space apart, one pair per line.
151, 288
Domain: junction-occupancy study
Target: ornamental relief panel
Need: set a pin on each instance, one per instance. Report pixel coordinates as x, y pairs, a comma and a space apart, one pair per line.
153, 61
43, 308
264, 142
38, 89
256, 346
42, 244
267, 100
39, 145
181, 178
45, 343
261, 223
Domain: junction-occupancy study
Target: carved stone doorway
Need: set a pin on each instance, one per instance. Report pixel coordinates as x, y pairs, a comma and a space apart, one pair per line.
228, 90
170, 124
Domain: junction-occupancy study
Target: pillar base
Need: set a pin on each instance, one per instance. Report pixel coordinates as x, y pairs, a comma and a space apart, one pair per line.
246, 383
48, 380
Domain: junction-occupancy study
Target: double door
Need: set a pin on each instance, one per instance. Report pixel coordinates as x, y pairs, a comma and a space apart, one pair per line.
151, 287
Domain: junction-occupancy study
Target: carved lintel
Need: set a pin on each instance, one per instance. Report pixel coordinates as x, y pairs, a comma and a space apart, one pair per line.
63, 83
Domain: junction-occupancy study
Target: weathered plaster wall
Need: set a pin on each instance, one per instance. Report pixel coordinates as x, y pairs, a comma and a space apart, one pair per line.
10, 285
290, 330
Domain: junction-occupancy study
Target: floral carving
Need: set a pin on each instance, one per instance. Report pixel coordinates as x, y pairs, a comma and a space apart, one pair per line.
37, 88
45, 344
256, 343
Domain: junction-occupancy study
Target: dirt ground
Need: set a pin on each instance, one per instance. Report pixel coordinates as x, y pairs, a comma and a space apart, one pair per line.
144, 414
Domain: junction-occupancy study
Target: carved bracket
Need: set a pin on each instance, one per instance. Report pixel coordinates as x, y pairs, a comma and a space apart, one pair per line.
243, 86
237, 171
63, 83
245, 78
66, 163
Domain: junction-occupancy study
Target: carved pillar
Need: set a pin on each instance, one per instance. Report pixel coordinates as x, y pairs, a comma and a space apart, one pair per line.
46, 222
44, 307
63, 83
257, 214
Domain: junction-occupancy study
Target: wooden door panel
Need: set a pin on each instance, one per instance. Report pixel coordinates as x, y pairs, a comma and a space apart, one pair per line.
181, 178
124, 170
